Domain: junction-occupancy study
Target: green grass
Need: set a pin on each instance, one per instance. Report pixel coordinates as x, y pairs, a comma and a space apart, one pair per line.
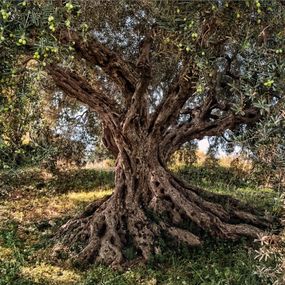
223, 181
37, 204
217, 263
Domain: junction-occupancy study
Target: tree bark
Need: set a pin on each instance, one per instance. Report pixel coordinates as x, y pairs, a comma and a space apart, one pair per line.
148, 202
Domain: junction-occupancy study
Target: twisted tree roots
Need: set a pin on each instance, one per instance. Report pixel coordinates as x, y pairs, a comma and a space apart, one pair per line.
138, 217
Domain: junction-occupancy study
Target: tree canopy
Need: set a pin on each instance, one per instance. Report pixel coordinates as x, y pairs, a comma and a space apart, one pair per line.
231, 51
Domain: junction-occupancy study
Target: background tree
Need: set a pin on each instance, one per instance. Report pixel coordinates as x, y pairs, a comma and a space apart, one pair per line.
264, 146
187, 154
38, 125
20, 120
158, 74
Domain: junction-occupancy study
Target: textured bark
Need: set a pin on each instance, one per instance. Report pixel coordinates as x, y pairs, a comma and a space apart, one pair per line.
149, 201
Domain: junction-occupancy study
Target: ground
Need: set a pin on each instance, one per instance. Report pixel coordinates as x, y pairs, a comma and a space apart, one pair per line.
34, 204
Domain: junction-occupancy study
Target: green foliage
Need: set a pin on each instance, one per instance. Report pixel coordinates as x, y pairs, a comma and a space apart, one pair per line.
234, 48
20, 120
185, 155
12, 256
265, 146
253, 42
25, 126
37, 125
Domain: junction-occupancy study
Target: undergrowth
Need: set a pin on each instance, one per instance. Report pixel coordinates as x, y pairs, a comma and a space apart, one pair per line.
34, 204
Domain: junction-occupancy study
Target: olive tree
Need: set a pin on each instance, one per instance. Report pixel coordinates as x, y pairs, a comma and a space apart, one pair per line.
158, 74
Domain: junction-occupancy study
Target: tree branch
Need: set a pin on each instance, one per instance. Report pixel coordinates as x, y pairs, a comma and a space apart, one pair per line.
77, 87
139, 103
168, 110
197, 129
95, 53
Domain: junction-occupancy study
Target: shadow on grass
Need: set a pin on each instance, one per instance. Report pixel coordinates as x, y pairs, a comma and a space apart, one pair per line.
36, 182
223, 180
39, 203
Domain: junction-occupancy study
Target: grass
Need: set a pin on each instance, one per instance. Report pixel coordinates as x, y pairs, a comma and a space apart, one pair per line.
34, 204
224, 181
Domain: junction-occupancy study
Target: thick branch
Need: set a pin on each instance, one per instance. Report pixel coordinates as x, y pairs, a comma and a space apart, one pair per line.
168, 110
77, 87
109, 141
197, 129
95, 53
138, 110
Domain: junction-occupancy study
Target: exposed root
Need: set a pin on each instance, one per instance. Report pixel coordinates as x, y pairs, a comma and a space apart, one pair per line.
225, 207
184, 236
143, 232
111, 224
91, 208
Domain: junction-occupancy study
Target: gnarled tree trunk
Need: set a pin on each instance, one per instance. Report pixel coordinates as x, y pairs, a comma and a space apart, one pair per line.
148, 200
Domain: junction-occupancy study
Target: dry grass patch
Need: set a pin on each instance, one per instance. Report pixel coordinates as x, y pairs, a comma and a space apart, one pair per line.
44, 273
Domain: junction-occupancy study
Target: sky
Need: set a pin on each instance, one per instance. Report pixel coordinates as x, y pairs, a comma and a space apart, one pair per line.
203, 145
